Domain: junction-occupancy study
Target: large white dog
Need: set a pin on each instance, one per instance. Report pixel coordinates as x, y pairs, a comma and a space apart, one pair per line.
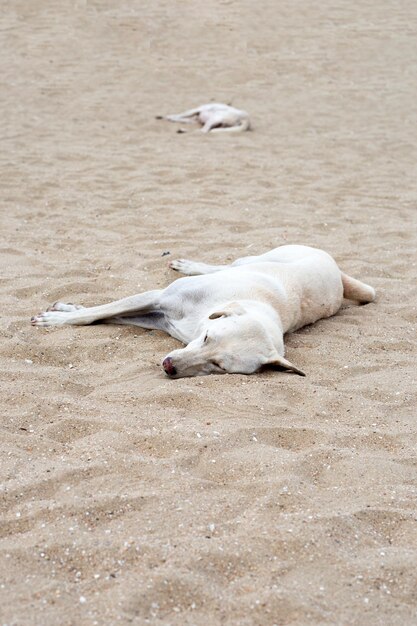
214, 117
232, 318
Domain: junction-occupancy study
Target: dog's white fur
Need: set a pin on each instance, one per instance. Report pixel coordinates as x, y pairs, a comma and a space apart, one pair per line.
214, 117
232, 318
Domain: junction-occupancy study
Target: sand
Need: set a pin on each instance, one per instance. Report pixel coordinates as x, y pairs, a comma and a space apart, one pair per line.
227, 500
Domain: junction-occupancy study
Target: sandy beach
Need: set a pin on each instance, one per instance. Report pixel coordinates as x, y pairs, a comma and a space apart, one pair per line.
129, 498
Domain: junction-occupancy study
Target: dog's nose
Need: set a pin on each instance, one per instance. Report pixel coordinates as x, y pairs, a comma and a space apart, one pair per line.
169, 366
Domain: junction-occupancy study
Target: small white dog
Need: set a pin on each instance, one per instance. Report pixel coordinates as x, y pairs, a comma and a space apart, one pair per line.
214, 117
232, 318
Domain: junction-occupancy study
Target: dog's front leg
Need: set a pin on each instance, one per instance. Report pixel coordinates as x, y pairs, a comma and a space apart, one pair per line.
194, 268
214, 121
187, 117
58, 314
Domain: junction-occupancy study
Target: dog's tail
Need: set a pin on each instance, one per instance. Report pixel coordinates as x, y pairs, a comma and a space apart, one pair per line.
243, 125
355, 290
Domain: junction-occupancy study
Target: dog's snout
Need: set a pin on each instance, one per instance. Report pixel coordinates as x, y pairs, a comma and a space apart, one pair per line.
169, 367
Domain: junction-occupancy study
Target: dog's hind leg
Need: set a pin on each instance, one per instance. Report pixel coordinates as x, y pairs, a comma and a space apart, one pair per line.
194, 268
147, 301
356, 290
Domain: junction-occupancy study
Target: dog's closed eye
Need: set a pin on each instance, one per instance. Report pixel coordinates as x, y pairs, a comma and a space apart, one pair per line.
205, 338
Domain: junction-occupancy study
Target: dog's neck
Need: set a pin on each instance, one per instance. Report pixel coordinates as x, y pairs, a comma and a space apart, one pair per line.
270, 319
261, 312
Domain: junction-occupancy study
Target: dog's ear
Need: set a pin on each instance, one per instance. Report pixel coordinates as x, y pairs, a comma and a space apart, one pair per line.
279, 361
233, 308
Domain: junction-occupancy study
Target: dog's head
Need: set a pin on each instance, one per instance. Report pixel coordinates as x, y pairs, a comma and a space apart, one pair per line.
234, 341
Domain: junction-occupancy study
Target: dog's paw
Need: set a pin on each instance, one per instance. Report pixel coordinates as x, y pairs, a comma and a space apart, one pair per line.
50, 318
182, 265
62, 306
